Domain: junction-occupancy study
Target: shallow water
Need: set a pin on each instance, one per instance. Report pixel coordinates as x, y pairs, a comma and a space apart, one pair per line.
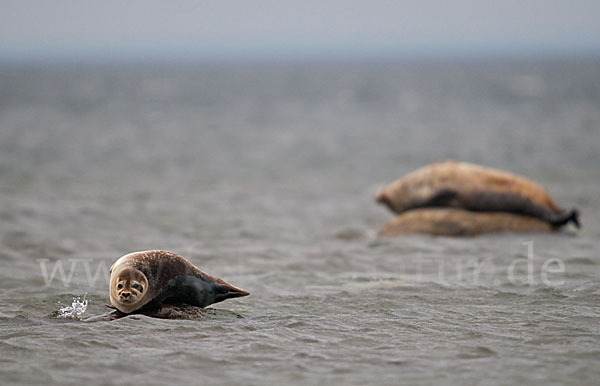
264, 175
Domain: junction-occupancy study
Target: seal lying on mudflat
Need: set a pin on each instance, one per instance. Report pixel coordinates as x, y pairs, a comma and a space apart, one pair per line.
476, 188
144, 281
460, 222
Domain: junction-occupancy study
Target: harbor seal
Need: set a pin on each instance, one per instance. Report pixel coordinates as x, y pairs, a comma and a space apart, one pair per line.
145, 280
476, 188
460, 222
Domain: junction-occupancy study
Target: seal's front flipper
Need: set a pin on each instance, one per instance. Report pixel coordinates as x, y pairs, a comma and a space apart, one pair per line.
442, 197
110, 316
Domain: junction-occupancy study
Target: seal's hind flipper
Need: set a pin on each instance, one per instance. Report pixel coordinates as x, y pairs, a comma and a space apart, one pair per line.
198, 290
227, 291
566, 217
575, 218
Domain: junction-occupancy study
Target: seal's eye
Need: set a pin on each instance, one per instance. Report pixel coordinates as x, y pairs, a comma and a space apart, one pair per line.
119, 286
137, 287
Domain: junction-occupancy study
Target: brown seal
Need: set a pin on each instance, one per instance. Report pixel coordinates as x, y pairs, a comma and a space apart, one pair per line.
145, 280
476, 188
460, 222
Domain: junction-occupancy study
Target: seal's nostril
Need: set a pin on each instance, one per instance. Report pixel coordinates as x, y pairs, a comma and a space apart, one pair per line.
125, 294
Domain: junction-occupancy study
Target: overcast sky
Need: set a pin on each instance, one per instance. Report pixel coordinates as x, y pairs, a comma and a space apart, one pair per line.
238, 29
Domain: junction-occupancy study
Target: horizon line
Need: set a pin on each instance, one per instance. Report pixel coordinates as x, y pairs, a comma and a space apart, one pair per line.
264, 56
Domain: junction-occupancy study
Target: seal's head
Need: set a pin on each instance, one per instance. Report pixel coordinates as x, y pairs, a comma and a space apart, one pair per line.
400, 195
127, 289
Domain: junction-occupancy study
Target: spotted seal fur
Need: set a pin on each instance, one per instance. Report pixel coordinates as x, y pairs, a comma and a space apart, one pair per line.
146, 280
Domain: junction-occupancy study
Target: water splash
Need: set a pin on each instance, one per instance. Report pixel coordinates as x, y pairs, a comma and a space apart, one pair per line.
76, 309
